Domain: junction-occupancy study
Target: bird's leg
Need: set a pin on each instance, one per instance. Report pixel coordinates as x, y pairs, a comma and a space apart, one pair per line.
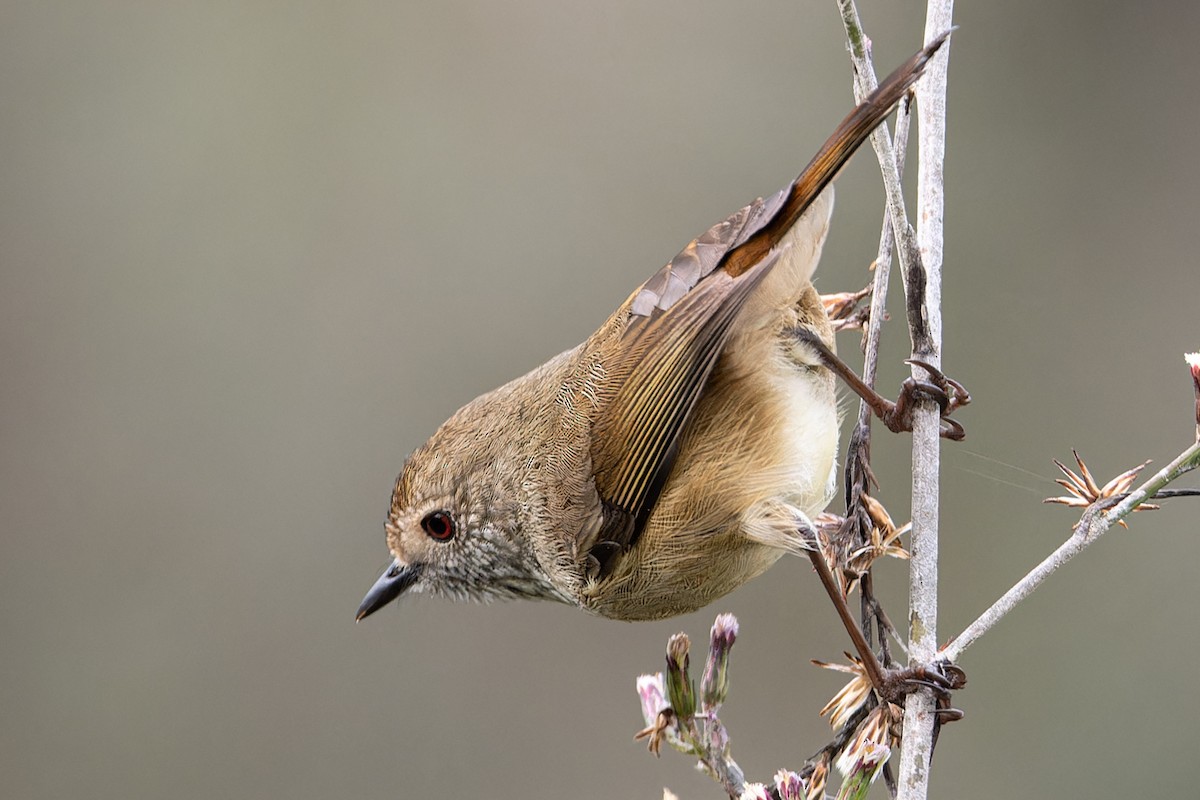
891, 685
871, 664
949, 394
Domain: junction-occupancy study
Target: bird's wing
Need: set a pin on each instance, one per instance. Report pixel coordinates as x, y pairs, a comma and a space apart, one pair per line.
665, 358
703, 255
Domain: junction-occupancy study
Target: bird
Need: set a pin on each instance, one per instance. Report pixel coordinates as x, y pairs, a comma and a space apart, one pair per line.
677, 453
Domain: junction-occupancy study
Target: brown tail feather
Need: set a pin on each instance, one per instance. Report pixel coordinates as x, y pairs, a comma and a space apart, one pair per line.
848, 137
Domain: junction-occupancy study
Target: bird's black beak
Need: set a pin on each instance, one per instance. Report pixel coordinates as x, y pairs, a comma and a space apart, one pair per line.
391, 584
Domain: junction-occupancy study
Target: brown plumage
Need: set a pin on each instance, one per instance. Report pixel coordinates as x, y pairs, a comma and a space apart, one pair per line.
669, 458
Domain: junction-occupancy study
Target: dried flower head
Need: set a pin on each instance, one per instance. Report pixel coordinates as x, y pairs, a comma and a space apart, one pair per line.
831, 544
873, 742
863, 772
843, 309
664, 728
884, 537
1085, 491
818, 779
835, 538
789, 785
661, 722
755, 791
851, 697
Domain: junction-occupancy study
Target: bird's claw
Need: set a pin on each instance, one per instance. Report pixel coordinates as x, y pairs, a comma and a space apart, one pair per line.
949, 394
941, 677
948, 714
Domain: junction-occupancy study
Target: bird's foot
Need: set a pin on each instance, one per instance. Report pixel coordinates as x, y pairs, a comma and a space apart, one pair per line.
949, 394
941, 677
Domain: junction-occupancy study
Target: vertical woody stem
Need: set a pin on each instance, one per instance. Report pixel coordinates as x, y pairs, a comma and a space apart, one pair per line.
931, 107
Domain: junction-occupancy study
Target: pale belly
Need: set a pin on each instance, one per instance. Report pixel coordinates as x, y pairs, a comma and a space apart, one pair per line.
759, 452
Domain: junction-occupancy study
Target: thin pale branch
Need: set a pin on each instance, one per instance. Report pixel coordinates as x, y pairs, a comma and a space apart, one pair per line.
858, 476
865, 82
921, 269
926, 332
860, 443
883, 263
1096, 520
922, 301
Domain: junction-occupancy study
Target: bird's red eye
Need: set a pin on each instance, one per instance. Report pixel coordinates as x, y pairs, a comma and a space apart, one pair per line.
439, 525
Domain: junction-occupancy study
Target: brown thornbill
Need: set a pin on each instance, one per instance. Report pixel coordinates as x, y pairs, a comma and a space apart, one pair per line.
671, 457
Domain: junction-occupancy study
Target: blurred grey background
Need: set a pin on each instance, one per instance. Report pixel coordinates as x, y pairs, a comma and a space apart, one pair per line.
252, 253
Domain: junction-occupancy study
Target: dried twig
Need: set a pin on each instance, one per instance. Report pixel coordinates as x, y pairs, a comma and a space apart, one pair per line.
865, 82
1096, 520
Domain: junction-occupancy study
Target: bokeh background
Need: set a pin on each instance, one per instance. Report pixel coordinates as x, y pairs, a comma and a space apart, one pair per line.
252, 253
